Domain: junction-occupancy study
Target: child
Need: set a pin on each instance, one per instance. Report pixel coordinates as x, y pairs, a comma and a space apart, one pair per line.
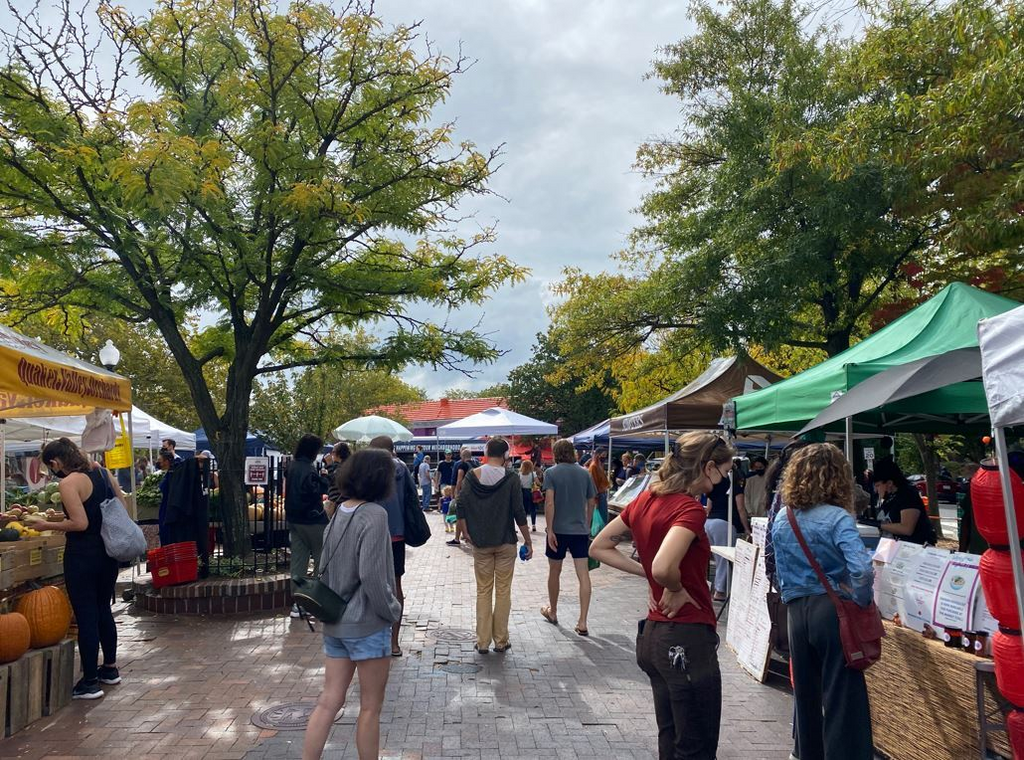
446, 500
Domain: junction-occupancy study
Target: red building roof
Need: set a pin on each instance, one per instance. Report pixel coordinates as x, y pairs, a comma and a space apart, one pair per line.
428, 414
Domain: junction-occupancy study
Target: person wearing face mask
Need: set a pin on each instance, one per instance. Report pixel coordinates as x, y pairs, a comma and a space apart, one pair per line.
718, 523
89, 574
754, 488
901, 512
677, 645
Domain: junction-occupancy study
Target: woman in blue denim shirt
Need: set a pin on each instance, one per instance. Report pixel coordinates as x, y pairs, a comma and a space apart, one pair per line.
832, 716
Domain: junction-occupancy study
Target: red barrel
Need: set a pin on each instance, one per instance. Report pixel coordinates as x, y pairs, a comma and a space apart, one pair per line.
987, 502
1009, 657
997, 582
1015, 728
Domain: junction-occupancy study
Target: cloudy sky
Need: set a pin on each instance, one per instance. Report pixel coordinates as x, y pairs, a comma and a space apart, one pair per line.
561, 84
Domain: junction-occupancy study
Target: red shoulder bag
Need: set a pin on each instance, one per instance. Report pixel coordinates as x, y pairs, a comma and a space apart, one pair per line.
860, 628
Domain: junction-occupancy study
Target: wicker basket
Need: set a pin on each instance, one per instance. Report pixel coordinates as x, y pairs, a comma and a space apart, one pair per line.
923, 700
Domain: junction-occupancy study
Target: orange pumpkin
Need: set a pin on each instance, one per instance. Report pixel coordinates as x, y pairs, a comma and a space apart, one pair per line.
48, 613
14, 636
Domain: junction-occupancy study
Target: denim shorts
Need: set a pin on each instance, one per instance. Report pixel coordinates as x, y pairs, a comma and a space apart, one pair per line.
365, 648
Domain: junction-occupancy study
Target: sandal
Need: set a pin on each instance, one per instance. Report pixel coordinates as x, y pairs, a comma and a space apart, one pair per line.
396, 652
581, 631
546, 614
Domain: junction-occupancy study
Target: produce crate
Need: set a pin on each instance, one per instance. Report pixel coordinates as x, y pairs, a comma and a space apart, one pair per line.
37, 684
40, 557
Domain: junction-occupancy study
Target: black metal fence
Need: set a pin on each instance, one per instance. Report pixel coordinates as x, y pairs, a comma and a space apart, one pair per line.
266, 524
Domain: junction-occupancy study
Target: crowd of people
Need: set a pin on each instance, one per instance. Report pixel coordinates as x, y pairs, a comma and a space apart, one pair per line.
348, 519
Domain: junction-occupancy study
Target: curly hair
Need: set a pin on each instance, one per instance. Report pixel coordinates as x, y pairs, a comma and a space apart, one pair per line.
818, 474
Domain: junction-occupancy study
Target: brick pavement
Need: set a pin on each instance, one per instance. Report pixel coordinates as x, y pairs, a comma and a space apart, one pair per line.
191, 685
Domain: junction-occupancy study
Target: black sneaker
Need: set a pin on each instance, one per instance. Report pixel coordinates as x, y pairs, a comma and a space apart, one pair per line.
453, 542
108, 674
87, 690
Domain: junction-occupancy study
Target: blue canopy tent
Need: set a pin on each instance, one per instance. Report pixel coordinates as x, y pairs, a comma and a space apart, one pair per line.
254, 445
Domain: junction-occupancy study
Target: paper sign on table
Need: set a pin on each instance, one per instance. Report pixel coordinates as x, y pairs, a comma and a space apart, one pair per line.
920, 586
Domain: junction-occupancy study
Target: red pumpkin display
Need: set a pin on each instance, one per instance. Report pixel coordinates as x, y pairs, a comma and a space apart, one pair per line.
48, 613
14, 636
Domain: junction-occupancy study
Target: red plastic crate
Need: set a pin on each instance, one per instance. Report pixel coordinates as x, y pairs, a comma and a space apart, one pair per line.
173, 564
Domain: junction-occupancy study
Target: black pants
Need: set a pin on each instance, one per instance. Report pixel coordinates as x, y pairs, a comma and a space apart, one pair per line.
687, 703
530, 506
832, 716
90, 576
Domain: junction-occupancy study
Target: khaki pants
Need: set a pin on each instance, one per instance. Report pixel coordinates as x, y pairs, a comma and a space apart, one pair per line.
494, 567
307, 541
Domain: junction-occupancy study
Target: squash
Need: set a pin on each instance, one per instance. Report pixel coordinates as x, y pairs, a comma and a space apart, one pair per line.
14, 636
48, 613
9, 534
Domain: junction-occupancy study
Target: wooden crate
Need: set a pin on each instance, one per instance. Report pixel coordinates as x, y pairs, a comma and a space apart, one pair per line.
37, 684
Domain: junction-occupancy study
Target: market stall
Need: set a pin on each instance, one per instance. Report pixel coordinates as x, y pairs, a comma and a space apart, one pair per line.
36, 665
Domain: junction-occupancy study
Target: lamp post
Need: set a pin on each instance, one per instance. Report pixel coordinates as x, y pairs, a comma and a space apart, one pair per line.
109, 355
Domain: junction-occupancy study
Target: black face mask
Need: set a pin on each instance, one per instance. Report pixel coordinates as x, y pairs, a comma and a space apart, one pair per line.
756, 472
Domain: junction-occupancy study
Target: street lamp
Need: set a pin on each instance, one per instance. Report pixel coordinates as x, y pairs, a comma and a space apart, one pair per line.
109, 355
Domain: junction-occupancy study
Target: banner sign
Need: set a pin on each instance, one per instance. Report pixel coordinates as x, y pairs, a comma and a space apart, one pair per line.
257, 471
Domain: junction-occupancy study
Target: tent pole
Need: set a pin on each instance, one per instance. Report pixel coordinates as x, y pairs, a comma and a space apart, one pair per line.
849, 439
667, 444
3, 465
131, 467
732, 506
611, 453
1002, 457
767, 446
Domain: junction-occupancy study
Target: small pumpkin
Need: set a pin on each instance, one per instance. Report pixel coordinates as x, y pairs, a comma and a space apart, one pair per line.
48, 613
15, 636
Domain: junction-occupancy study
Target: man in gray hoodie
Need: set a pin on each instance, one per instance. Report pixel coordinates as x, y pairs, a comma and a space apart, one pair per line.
489, 508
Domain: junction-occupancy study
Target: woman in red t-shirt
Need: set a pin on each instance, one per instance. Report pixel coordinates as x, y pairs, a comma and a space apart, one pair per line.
677, 645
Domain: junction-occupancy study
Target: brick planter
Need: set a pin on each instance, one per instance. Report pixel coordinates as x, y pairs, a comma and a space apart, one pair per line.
224, 596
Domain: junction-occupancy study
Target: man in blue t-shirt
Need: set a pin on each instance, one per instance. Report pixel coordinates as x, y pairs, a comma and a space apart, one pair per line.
569, 499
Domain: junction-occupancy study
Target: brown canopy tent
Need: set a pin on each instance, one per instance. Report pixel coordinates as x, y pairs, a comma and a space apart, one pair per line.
698, 405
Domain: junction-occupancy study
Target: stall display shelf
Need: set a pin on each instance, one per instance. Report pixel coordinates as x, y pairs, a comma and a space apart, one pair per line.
30, 559
35, 685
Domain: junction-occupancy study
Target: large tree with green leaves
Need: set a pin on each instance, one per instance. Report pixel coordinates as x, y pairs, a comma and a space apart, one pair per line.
943, 93
278, 171
746, 240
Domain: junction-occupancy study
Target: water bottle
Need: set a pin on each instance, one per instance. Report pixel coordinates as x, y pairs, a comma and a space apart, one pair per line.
522, 552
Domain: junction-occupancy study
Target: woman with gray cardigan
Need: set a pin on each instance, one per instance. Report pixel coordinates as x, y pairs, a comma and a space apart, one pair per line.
358, 566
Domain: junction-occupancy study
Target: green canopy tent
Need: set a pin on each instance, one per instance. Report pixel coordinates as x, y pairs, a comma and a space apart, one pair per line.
944, 323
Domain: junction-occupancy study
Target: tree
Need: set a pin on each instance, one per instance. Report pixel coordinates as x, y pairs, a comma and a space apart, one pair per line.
319, 399
746, 241
498, 390
532, 393
943, 89
280, 171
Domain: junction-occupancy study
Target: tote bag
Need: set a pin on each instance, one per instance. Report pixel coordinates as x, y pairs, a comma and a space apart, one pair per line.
122, 538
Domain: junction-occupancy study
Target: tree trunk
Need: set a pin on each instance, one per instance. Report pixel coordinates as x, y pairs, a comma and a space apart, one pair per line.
229, 447
931, 469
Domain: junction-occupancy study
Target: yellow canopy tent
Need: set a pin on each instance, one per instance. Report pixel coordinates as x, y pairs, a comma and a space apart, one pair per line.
38, 381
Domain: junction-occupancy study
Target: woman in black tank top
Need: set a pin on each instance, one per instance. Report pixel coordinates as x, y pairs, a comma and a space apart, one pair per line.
89, 573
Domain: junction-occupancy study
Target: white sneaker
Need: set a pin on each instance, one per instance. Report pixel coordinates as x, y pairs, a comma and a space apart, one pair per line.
295, 611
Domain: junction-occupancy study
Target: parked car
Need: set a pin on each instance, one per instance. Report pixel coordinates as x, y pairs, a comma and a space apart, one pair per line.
946, 486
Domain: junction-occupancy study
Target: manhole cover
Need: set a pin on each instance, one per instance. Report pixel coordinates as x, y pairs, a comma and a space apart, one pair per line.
292, 716
459, 668
453, 634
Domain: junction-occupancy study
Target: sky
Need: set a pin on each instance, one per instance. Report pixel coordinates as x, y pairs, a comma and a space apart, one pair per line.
561, 84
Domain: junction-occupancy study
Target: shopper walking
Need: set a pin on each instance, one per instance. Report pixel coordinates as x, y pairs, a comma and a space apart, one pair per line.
426, 483
568, 509
490, 508
527, 480
677, 644
462, 469
358, 567
601, 483
304, 491
89, 574
403, 495
832, 716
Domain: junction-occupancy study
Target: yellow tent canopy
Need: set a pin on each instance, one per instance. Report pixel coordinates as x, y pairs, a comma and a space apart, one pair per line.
38, 381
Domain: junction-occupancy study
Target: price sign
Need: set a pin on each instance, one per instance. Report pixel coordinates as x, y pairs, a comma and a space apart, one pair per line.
869, 453
257, 471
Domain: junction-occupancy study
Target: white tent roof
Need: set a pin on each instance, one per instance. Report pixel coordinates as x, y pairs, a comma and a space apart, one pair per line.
496, 421
158, 431
1002, 366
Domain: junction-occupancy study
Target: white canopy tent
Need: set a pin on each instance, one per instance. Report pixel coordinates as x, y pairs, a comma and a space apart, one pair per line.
159, 431
1002, 372
496, 421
